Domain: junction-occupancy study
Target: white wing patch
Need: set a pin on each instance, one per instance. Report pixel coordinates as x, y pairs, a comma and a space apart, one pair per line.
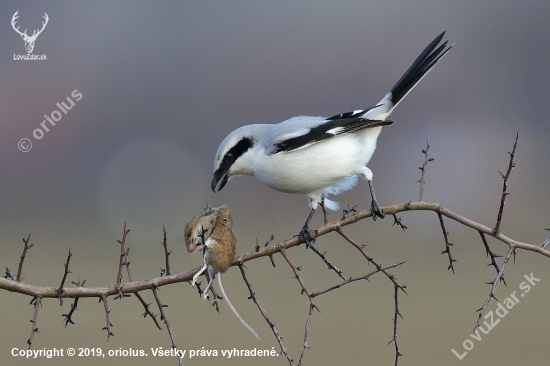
336, 130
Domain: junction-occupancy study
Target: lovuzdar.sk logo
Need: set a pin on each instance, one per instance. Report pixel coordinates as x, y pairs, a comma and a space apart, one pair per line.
29, 40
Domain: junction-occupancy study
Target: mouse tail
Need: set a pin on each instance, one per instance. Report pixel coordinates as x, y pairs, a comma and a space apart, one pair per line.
234, 310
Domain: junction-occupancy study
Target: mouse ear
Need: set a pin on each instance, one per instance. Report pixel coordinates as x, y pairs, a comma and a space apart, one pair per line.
207, 210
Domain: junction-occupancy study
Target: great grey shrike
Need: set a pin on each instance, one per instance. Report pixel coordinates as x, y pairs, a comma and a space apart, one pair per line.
318, 156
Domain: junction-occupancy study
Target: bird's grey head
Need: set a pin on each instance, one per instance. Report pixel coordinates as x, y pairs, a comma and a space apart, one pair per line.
232, 156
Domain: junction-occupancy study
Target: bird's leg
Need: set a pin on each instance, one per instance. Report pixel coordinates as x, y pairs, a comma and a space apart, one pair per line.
322, 204
376, 210
305, 234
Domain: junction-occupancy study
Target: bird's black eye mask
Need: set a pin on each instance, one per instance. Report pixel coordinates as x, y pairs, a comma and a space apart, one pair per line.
235, 152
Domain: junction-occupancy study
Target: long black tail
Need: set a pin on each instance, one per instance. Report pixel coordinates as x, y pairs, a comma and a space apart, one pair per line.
420, 67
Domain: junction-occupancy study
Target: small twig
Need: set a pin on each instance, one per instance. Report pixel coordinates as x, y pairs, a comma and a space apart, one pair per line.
348, 211
25, 248
108, 323
493, 284
166, 252
396, 314
544, 243
9, 274
65, 273
123, 254
126, 262
166, 323
36, 302
353, 279
160, 306
489, 252
311, 303
325, 259
511, 165
147, 311
447, 244
306, 329
397, 221
422, 181
264, 314
74, 306
268, 242
298, 278
371, 259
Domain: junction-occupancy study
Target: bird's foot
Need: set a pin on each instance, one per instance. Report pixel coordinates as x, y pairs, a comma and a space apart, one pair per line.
306, 236
376, 210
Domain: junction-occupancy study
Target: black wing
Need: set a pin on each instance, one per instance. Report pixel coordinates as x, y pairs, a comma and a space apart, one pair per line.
336, 125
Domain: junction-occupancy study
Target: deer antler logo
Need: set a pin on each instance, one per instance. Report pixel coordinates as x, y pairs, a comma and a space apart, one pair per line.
29, 40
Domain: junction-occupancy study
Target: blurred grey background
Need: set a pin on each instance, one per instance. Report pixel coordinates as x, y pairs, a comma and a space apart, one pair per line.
163, 83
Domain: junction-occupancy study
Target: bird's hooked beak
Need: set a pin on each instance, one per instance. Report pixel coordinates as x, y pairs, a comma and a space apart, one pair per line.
219, 175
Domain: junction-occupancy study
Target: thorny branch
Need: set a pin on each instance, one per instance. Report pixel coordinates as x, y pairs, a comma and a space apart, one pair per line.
422, 180
25, 248
493, 284
395, 315
269, 241
132, 287
311, 303
493, 256
166, 323
306, 329
36, 302
126, 263
284, 350
505, 192
108, 323
166, 252
331, 266
379, 266
65, 273
353, 279
297, 276
447, 244
147, 311
74, 306
122, 261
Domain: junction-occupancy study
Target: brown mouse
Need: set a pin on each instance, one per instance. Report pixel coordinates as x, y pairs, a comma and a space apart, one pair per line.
212, 233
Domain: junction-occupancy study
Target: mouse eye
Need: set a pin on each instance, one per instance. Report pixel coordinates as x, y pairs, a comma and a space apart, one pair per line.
188, 234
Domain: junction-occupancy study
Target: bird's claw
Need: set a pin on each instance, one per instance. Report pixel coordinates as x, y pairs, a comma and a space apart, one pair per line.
376, 211
306, 236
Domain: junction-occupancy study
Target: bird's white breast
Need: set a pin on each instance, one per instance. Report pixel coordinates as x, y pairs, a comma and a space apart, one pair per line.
318, 166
